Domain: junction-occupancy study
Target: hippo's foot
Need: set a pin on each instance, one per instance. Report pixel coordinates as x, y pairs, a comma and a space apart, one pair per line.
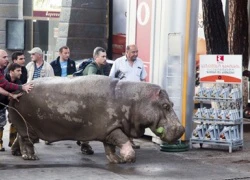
26, 146
115, 159
119, 139
127, 152
111, 155
29, 157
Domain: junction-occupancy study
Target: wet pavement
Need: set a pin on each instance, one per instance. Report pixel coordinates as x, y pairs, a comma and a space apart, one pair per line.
64, 161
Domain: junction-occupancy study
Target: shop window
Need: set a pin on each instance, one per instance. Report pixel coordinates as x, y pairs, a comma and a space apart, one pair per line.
15, 39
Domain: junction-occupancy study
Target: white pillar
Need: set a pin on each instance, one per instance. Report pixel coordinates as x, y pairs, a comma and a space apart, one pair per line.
20, 9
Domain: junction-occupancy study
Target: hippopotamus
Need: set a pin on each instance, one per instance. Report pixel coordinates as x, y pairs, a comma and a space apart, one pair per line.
91, 108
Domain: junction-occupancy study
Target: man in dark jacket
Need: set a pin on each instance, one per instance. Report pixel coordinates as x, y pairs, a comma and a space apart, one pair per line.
8, 86
63, 65
13, 75
19, 58
95, 67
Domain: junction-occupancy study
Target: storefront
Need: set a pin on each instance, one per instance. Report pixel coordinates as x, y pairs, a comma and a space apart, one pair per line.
42, 19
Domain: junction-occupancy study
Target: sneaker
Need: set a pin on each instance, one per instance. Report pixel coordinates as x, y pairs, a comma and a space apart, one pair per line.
86, 149
78, 143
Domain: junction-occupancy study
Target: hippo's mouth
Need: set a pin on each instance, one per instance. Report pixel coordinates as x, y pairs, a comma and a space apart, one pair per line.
160, 132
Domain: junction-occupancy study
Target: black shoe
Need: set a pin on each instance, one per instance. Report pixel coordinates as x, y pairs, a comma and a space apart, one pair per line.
78, 143
47, 143
2, 149
86, 149
36, 140
135, 146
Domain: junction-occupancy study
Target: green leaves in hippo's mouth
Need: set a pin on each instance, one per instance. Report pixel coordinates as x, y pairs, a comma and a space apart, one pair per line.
160, 130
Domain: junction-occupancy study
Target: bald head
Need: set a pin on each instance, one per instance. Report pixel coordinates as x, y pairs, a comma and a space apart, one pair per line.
132, 52
3, 59
2, 51
131, 46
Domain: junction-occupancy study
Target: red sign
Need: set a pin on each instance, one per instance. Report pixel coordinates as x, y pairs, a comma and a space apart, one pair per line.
50, 9
143, 32
50, 14
220, 58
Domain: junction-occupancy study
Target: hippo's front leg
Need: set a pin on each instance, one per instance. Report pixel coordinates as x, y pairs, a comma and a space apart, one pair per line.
119, 139
27, 149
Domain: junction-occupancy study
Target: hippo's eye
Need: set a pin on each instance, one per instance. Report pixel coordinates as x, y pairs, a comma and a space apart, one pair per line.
166, 106
172, 104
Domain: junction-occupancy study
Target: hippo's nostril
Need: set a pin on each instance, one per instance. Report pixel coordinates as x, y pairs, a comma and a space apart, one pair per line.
180, 130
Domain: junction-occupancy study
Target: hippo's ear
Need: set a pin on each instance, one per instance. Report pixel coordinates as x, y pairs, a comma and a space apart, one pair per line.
156, 94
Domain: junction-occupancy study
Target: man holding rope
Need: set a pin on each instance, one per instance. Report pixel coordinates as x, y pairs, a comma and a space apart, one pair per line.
5, 88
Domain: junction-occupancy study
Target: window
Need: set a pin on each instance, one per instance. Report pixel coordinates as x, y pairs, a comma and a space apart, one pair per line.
15, 34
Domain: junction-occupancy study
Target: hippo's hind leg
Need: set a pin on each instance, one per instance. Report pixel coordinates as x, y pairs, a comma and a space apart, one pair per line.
27, 148
118, 138
24, 146
26, 137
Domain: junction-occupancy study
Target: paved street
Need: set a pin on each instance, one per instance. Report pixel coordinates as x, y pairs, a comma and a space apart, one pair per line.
64, 161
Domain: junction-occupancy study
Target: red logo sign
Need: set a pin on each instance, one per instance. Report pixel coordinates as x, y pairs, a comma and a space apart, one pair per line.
220, 58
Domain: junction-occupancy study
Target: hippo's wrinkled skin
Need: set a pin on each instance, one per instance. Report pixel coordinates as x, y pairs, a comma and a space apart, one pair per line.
93, 108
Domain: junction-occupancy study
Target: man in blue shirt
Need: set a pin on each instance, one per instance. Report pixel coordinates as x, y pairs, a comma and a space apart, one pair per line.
63, 65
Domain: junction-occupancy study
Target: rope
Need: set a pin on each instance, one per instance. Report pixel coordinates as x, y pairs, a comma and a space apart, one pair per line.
25, 122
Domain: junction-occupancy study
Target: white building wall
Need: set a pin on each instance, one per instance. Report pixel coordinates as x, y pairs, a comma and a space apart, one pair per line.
170, 16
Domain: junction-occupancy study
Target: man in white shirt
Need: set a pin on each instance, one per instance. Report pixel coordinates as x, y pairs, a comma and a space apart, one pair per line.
38, 67
129, 68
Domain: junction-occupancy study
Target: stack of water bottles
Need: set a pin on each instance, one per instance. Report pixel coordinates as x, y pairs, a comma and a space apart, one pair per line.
216, 132
219, 92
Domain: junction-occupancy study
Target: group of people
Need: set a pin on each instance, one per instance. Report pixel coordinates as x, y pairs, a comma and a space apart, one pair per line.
15, 76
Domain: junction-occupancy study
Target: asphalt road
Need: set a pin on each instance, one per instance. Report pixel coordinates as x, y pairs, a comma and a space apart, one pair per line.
64, 161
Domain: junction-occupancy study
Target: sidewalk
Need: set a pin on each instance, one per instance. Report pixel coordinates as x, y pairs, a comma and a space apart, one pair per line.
63, 160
